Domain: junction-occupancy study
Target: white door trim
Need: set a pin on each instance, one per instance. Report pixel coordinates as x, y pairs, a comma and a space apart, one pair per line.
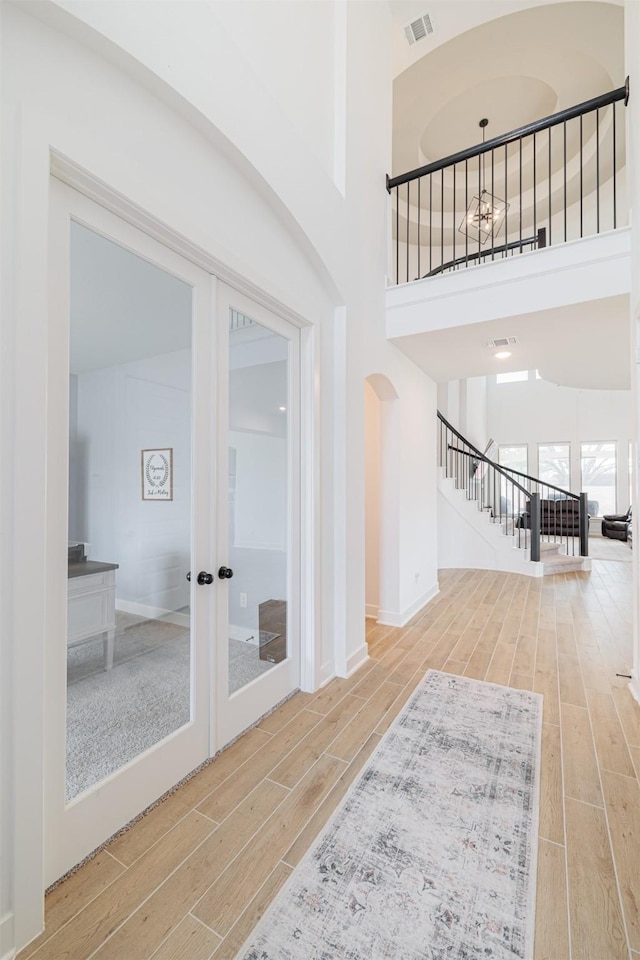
77, 177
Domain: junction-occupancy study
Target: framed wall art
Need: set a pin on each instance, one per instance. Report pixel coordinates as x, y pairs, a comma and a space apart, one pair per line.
157, 474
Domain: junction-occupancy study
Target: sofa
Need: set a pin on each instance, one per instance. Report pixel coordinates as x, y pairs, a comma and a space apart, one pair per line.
558, 518
616, 526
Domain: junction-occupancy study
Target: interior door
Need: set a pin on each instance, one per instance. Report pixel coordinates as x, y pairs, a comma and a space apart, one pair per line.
130, 487
258, 587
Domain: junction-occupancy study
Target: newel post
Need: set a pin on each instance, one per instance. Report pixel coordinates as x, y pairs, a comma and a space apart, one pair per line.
584, 526
535, 527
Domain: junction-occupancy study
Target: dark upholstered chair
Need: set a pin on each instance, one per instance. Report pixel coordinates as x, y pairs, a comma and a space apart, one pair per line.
616, 525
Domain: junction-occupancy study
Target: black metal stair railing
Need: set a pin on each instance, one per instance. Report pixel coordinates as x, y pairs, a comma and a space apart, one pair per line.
530, 510
554, 180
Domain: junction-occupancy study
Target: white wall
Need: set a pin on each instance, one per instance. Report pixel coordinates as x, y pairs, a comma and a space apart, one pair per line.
372, 500
632, 55
475, 424
121, 411
535, 411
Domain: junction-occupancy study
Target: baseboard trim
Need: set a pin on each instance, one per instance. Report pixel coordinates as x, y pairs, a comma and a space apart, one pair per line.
7, 942
391, 618
356, 660
371, 611
634, 687
153, 613
327, 673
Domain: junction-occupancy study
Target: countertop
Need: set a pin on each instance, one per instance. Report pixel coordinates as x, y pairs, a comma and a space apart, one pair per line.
87, 567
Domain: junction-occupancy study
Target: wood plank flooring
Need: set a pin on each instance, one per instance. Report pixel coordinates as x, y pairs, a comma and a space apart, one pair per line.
191, 879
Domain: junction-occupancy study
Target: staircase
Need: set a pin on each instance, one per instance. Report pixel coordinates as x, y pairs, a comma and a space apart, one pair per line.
491, 517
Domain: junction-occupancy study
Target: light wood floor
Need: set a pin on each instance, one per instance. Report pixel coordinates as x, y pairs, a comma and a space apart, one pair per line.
190, 879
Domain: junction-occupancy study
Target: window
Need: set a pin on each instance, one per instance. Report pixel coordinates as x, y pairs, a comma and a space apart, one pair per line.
515, 458
554, 464
598, 465
512, 377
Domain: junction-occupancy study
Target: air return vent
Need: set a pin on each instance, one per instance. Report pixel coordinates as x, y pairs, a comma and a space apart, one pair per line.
418, 29
501, 342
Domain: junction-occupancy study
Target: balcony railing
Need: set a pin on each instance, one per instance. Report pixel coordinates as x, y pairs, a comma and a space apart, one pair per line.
558, 179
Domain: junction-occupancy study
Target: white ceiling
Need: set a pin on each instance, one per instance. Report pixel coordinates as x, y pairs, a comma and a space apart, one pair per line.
584, 345
513, 62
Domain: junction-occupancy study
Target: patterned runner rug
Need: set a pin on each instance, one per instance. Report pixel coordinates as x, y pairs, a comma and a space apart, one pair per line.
432, 853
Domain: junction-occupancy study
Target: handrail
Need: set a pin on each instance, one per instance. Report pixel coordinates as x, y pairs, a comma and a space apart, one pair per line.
603, 100
491, 488
501, 470
491, 252
566, 493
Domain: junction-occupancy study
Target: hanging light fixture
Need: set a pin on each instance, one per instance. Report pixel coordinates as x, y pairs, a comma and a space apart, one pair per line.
486, 212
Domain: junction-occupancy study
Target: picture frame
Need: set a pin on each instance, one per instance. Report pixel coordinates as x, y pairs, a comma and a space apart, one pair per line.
157, 474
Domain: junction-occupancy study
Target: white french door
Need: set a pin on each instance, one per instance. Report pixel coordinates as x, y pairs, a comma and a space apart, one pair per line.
130, 494
258, 530
173, 501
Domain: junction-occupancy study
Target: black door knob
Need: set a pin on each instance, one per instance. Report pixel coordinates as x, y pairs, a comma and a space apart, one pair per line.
204, 577
225, 573
189, 576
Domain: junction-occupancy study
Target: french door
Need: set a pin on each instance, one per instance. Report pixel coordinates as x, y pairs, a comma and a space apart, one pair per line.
172, 503
258, 529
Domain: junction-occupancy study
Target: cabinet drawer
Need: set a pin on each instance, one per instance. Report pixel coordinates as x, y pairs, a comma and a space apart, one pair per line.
91, 583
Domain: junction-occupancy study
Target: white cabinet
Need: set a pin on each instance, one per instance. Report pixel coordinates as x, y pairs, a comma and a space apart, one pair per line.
91, 607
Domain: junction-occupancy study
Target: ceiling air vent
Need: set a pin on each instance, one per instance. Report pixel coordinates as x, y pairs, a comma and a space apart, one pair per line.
501, 342
418, 29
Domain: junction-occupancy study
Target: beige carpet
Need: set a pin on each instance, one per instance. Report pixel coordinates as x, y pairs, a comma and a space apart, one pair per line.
602, 548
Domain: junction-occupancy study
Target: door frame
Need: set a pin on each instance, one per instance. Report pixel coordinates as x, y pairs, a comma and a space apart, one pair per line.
46, 148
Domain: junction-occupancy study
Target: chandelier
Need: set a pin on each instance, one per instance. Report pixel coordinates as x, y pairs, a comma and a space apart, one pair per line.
486, 212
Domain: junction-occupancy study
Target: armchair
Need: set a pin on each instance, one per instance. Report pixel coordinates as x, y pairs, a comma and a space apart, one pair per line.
616, 525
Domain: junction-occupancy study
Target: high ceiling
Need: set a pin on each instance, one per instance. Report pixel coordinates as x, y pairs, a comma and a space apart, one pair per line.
513, 62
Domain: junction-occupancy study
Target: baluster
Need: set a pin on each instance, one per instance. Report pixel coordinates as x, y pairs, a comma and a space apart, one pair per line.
408, 222
550, 214
419, 234
564, 167
535, 211
597, 171
581, 179
615, 203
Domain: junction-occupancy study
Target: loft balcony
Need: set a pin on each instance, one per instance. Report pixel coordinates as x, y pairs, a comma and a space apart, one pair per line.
549, 265
554, 181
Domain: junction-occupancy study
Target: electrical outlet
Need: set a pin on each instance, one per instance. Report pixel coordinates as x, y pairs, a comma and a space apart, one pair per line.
243, 599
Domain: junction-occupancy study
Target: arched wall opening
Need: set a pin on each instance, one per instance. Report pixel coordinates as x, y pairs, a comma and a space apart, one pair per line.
381, 496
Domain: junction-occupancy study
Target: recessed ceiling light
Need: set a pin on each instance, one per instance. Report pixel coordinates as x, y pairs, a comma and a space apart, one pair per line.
282, 409
503, 354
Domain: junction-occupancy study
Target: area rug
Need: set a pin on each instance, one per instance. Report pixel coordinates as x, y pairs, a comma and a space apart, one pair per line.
432, 853
602, 548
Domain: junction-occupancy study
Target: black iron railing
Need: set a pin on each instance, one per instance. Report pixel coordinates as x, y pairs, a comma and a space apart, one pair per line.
561, 175
531, 511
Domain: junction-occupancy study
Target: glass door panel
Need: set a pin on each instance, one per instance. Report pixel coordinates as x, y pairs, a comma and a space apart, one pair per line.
259, 528
258, 498
128, 629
